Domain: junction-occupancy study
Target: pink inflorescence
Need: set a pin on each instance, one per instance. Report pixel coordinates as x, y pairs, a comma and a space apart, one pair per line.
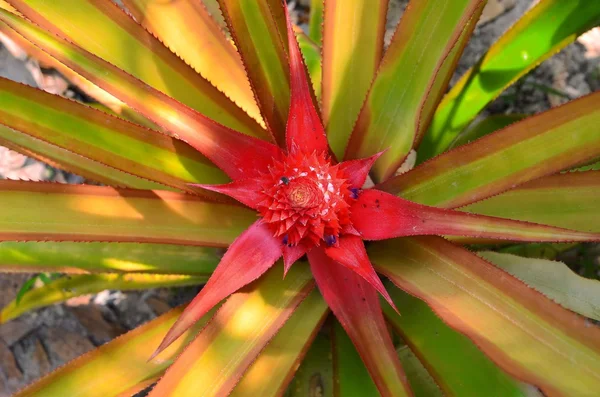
306, 200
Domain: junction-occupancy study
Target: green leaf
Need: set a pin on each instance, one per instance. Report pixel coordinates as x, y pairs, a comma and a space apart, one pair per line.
567, 200
119, 366
484, 127
411, 80
281, 357
456, 364
540, 33
553, 279
421, 382
66, 288
311, 53
216, 360
350, 376
315, 374
352, 49
52, 212
189, 30
315, 24
527, 335
103, 29
552, 141
57, 123
71, 257
258, 29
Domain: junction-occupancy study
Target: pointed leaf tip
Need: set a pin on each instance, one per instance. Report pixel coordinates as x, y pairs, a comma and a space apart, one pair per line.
357, 171
246, 191
290, 256
305, 130
248, 257
351, 253
378, 216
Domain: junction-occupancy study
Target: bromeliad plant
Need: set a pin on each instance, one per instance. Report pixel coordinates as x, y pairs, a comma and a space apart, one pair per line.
249, 124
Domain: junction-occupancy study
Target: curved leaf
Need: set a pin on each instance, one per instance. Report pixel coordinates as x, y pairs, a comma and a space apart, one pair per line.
457, 365
230, 150
540, 33
281, 357
258, 29
99, 257
524, 333
352, 49
411, 80
540, 145
311, 53
107, 139
122, 362
187, 28
65, 288
72, 162
553, 279
103, 29
54, 212
566, 200
216, 360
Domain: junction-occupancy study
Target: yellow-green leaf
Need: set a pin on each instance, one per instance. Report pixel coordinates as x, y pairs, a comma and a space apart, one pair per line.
118, 366
558, 139
95, 257
107, 141
523, 332
258, 29
553, 279
352, 49
540, 33
55, 212
216, 360
65, 288
281, 357
187, 28
411, 80
105, 30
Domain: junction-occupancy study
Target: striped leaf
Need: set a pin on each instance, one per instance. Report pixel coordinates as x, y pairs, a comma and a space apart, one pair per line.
53, 212
131, 351
526, 334
103, 29
188, 29
540, 33
258, 29
558, 139
57, 123
352, 49
101, 257
216, 360
411, 80
65, 288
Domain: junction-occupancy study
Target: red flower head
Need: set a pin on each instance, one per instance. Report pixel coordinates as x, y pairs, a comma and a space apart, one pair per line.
308, 203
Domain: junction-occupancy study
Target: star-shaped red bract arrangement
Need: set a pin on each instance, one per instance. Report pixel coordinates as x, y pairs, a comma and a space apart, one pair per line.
309, 203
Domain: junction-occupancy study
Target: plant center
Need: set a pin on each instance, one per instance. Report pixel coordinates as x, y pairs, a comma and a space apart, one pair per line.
307, 200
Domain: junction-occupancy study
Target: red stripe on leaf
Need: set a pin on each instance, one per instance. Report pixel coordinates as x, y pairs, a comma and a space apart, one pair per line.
305, 130
355, 303
351, 253
379, 215
248, 257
